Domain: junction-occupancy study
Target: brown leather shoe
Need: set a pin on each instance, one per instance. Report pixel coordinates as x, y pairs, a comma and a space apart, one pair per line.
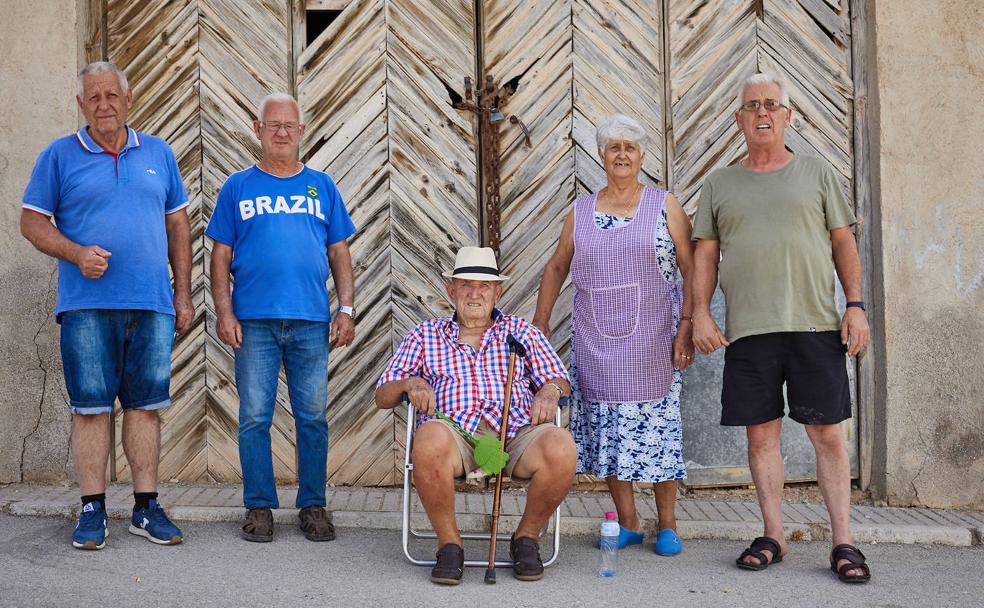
315, 524
258, 526
525, 553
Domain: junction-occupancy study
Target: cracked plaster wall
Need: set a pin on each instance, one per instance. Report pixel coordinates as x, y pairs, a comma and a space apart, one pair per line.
39, 50
930, 66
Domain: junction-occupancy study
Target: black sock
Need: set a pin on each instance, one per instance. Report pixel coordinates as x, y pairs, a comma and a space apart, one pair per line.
100, 498
141, 500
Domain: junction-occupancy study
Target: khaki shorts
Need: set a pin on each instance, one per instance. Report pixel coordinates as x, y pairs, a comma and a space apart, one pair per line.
515, 447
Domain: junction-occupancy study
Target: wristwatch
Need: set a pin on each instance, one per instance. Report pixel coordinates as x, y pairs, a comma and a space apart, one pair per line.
346, 310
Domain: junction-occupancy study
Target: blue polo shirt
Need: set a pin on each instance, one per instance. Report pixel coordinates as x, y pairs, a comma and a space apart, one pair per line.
115, 202
279, 229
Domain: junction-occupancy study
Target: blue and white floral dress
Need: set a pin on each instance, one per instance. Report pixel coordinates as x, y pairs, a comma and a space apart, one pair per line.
631, 441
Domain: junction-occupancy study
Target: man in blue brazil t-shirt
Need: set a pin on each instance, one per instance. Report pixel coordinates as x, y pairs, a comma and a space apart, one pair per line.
280, 227
119, 208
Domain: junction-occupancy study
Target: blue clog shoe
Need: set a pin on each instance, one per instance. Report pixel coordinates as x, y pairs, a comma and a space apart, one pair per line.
668, 543
627, 537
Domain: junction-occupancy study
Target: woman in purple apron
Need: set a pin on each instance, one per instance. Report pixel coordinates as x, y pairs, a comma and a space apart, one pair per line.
631, 331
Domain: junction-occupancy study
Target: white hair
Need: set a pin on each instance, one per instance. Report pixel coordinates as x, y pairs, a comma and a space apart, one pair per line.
101, 67
764, 78
278, 98
619, 126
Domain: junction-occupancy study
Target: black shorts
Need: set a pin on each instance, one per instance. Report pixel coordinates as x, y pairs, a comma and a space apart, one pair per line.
812, 365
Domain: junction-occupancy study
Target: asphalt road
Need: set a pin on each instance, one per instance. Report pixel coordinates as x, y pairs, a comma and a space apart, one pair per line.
214, 568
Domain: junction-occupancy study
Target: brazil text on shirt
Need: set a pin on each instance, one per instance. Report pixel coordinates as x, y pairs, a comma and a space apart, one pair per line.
299, 203
279, 229
118, 204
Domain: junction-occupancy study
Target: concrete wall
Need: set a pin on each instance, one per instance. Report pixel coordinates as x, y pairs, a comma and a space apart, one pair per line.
38, 63
930, 70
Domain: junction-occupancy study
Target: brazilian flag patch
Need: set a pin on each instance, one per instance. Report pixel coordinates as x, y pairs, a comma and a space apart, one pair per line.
312, 191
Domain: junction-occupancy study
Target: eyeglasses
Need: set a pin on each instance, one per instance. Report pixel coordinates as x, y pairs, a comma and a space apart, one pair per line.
769, 104
274, 127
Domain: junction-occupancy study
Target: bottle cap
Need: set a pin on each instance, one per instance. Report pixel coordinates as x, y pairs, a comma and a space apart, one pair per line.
611, 516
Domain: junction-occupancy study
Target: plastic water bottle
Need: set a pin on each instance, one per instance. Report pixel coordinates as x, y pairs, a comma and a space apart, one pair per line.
608, 545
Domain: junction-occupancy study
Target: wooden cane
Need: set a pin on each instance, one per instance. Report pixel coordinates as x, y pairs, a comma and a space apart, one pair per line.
515, 347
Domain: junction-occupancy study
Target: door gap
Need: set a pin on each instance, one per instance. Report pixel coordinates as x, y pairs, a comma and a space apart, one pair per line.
317, 21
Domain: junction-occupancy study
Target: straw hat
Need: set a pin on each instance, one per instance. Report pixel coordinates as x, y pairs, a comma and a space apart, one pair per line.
475, 264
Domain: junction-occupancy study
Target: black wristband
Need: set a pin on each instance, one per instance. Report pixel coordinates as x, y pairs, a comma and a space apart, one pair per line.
856, 304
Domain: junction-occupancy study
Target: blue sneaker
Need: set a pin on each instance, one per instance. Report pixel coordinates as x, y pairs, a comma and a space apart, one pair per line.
626, 537
152, 523
668, 543
90, 533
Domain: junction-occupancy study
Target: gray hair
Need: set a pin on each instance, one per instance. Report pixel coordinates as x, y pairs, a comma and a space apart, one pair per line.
619, 126
101, 67
278, 98
764, 78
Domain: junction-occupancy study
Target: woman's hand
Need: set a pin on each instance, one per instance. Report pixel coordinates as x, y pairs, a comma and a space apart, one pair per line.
683, 346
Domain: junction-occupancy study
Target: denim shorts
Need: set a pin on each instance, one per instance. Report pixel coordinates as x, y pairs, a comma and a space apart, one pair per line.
117, 353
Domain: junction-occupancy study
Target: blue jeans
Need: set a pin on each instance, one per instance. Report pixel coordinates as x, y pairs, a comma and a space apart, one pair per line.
109, 353
302, 347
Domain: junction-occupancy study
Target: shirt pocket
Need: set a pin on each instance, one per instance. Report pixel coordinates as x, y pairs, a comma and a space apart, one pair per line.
616, 310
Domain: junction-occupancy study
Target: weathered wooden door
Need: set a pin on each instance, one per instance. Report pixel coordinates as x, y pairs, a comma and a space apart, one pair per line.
377, 81
676, 65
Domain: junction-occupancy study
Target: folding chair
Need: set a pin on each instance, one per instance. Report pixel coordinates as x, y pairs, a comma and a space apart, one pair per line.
409, 531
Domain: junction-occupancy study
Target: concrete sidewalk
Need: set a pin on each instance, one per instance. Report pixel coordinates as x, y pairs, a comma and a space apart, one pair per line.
581, 513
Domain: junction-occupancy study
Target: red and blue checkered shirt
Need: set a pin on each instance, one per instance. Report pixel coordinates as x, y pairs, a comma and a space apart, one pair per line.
470, 385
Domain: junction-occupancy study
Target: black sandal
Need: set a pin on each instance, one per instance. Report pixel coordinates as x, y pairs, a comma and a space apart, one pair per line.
856, 561
762, 543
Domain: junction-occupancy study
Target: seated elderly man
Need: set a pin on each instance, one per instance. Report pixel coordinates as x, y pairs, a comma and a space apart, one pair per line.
459, 365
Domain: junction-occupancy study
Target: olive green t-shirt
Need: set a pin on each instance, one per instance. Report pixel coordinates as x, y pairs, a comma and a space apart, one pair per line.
777, 267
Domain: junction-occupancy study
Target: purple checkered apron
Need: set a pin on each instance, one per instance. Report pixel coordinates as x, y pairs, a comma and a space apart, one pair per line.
623, 305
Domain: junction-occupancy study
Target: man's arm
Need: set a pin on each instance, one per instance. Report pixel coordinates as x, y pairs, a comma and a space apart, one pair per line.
421, 394
402, 375
340, 262
855, 332
179, 255
707, 335
546, 400
227, 326
36, 227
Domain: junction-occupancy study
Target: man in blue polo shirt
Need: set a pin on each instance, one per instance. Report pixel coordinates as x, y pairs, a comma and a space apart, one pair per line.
119, 209
280, 227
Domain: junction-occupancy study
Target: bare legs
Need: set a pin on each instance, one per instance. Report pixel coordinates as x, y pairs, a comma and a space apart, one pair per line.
833, 476
664, 492
90, 451
548, 463
141, 444
768, 474
435, 465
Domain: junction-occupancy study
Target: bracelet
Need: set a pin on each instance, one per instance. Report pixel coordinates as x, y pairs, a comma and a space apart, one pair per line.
560, 391
856, 304
685, 318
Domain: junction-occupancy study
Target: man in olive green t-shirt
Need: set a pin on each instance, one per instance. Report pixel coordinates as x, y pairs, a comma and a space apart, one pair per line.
775, 227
